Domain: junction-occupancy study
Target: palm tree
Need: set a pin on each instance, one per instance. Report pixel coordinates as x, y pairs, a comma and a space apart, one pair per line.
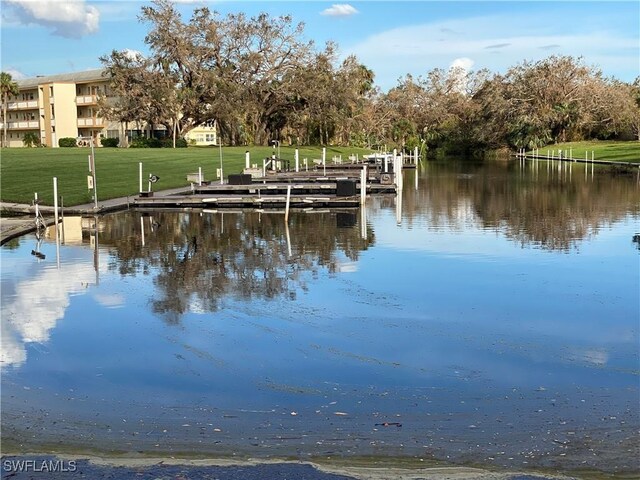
7, 87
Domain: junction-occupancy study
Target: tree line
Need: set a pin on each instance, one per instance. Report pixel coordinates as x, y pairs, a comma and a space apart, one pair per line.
260, 80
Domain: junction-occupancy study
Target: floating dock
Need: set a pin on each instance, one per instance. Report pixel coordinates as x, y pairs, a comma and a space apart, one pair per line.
303, 190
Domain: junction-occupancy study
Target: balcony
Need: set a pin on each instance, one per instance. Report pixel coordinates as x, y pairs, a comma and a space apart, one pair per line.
90, 122
87, 100
24, 105
25, 125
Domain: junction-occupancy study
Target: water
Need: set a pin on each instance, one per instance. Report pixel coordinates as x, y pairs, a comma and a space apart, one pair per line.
490, 317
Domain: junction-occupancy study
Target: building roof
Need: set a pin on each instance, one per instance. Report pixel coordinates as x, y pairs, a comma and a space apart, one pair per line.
76, 77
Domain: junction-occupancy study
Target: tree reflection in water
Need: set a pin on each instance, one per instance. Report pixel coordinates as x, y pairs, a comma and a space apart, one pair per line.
198, 259
532, 206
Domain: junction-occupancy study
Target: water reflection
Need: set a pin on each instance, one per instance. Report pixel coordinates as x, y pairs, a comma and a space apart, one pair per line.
529, 205
201, 258
332, 314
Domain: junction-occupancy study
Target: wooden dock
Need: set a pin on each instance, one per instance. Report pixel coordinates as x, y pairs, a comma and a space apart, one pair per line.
305, 191
221, 200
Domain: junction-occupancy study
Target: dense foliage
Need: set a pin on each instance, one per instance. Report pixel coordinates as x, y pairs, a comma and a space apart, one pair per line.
259, 80
31, 139
109, 142
67, 142
142, 142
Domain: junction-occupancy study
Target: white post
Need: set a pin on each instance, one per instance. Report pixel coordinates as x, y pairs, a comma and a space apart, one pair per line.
55, 214
363, 184
247, 159
199, 176
264, 168
286, 208
221, 172
55, 204
93, 172
142, 229
386, 168
35, 202
297, 157
324, 161
140, 177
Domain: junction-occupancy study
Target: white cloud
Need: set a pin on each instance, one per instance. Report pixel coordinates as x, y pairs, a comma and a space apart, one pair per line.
70, 18
37, 305
109, 300
132, 54
339, 10
15, 74
495, 42
459, 69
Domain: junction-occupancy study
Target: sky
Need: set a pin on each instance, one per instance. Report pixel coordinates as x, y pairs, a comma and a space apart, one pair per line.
392, 38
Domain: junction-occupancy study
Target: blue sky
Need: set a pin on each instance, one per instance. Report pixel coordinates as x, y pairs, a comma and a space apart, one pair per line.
393, 38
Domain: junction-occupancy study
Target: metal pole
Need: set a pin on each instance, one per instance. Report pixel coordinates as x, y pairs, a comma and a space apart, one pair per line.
93, 172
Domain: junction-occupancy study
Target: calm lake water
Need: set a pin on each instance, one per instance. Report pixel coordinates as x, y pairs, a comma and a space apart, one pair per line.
491, 316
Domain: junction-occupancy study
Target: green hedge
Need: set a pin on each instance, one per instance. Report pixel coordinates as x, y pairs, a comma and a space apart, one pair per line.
109, 142
157, 143
67, 142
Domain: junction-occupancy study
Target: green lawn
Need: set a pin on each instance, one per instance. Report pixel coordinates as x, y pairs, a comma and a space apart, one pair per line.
24, 171
614, 151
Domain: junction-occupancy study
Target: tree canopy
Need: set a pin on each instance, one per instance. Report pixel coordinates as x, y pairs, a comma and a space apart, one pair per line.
260, 80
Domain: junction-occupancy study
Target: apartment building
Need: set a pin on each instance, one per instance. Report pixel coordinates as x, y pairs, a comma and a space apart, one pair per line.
66, 105
58, 106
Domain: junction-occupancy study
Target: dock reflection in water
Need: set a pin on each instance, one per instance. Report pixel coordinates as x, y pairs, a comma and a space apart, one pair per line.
493, 313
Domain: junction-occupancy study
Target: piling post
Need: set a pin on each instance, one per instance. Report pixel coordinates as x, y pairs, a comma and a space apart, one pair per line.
286, 208
363, 184
55, 204
55, 218
264, 168
35, 202
140, 177
297, 158
247, 159
324, 161
62, 217
199, 176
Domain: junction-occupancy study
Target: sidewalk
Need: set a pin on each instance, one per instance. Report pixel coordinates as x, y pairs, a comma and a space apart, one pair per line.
24, 222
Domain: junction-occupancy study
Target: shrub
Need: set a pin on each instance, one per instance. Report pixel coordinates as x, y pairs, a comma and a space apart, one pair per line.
109, 142
157, 143
142, 142
168, 143
31, 139
67, 142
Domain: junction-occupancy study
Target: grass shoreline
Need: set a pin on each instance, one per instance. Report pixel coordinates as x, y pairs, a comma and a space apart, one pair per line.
24, 171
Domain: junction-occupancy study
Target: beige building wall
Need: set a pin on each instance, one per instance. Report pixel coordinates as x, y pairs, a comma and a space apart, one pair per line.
67, 105
202, 135
65, 118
